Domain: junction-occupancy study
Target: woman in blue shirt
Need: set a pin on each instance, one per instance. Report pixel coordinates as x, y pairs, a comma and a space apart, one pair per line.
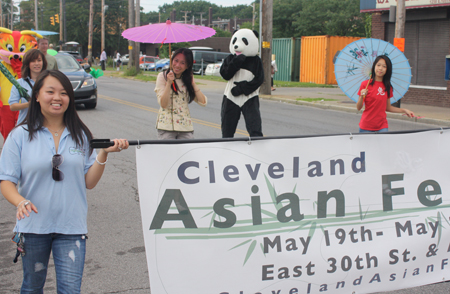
34, 63
45, 167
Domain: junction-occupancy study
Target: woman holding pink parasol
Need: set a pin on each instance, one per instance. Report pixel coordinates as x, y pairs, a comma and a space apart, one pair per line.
175, 89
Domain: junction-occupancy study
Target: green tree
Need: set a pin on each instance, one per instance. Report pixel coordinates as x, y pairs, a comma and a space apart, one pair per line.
164, 51
285, 12
330, 17
221, 33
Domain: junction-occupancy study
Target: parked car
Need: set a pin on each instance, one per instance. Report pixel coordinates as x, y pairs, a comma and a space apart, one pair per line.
146, 61
155, 66
165, 67
84, 85
207, 57
213, 69
124, 59
160, 64
75, 54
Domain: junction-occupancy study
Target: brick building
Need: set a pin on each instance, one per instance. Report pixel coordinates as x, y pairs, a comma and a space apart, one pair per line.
427, 46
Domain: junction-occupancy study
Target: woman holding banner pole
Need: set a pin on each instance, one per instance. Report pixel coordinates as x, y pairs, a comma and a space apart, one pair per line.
46, 166
175, 89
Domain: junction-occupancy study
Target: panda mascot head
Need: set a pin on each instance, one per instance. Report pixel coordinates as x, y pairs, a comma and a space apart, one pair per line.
245, 42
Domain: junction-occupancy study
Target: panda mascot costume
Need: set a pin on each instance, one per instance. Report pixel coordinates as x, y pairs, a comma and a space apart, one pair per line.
243, 70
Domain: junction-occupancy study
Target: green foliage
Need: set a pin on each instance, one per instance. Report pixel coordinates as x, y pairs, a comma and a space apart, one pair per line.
246, 25
285, 12
164, 51
330, 17
131, 72
110, 61
151, 17
368, 25
77, 23
222, 33
196, 6
291, 18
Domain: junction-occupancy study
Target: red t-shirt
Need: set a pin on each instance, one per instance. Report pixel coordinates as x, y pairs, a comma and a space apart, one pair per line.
374, 116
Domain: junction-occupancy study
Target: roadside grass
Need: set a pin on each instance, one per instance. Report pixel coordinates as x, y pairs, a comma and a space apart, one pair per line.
301, 85
151, 76
315, 99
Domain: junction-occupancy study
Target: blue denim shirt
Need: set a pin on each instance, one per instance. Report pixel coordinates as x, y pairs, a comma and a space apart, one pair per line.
62, 206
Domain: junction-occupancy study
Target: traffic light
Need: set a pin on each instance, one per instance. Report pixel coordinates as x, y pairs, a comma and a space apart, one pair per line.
57, 18
52, 20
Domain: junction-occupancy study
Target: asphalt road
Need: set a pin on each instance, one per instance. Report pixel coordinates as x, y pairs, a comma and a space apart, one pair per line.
115, 260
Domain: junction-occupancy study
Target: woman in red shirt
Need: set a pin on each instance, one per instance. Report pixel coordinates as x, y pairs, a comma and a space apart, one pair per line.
376, 98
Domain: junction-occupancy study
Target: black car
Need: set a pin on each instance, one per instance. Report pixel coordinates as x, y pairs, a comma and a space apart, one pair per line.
74, 54
84, 85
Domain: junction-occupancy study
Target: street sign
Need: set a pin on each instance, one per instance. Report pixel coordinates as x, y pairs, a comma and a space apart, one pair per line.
400, 44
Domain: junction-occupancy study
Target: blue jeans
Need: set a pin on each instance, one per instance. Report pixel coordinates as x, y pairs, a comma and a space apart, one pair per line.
379, 131
68, 255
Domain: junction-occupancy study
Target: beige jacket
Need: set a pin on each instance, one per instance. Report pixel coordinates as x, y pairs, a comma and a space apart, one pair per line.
176, 117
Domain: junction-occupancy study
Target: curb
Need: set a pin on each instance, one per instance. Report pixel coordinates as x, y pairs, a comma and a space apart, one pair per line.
431, 121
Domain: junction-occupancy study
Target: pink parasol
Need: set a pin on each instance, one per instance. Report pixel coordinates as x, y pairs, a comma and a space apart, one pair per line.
167, 32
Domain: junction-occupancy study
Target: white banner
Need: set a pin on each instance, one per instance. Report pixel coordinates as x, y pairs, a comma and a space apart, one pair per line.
363, 213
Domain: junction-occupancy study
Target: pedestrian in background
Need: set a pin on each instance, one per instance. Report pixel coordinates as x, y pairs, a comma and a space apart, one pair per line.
175, 89
375, 94
118, 61
103, 58
46, 166
51, 61
273, 69
34, 63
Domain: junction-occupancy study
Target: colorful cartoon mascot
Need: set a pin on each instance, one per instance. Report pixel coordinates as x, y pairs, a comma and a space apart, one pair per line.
13, 45
243, 70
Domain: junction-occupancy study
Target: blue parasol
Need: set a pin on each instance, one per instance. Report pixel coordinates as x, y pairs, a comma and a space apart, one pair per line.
354, 65
45, 33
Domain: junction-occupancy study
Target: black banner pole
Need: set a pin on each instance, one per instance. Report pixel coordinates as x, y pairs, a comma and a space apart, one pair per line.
105, 143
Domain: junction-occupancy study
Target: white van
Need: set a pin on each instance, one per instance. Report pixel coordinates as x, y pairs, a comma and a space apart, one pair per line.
208, 57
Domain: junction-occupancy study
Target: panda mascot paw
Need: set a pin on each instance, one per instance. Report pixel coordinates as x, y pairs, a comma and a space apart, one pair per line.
243, 70
237, 90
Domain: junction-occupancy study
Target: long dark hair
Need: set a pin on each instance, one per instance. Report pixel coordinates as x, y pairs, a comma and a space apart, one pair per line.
35, 119
387, 76
32, 55
186, 76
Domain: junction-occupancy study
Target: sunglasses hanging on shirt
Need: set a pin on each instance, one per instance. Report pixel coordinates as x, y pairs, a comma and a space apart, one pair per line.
57, 160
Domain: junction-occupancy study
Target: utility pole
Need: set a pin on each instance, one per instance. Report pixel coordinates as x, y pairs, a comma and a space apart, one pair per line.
185, 15
1, 14
400, 19
138, 23
12, 14
253, 16
64, 11
61, 20
201, 17
35, 14
260, 27
130, 25
103, 27
193, 20
400, 29
91, 30
266, 53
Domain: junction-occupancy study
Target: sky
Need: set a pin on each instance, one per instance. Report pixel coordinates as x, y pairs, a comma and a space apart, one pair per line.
152, 5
